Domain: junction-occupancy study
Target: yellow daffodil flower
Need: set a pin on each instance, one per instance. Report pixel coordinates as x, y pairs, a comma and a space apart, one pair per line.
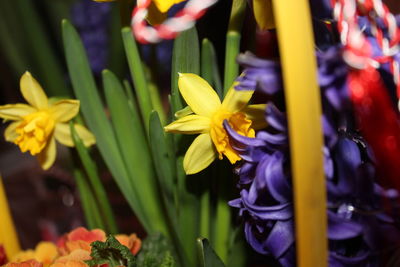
205, 116
38, 125
157, 10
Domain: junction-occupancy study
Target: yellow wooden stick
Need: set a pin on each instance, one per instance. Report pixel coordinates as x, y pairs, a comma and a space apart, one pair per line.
8, 236
296, 44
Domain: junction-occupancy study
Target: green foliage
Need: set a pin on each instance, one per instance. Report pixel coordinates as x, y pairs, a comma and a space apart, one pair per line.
111, 252
156, 252
207, 256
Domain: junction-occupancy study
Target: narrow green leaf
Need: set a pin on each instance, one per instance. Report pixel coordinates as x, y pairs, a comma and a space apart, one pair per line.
94, 179
162, 161
47, 66
138, 75
185, 59
89, 205
164, 168
135, 151
156, 98
93, 110
207, 256
209, 66
231, 66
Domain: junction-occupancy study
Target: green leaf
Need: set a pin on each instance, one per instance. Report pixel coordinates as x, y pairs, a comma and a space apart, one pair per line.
89, 205
185, 59
136, 154
95, 182
207, 256
93, 110
156, 252
111, 252
209, 66
47, 67
138, 74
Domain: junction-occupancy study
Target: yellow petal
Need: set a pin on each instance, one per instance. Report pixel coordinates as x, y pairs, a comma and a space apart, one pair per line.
256, 113
15, 111
235, 100
62, 134
48, 155
191, 124
263, 14
198, 94
9, 134
64, 110
32, 91
183, 112
200, 154
165, 5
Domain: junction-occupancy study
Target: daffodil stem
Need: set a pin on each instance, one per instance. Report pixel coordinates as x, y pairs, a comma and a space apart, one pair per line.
89, 205
222, 214
231, 67
94, 179
232, 48
209, 66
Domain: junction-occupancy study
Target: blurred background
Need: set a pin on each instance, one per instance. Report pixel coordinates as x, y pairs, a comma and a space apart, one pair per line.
46, 204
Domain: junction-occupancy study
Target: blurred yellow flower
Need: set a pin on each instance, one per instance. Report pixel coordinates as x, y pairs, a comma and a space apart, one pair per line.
38, 125
207, 120
263, 14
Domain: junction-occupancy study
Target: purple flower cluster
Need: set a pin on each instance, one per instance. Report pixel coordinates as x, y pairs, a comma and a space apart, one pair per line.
358, 228
91, 20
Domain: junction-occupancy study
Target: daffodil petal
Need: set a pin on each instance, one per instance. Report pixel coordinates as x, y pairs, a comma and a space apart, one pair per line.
9, 134
85, 135
32, 91
263, 14
165, 5
235, 100
256, 113
198, 94
200, 154
15, 111
183, 112
62, 133
64, 110
191, 124
48, 155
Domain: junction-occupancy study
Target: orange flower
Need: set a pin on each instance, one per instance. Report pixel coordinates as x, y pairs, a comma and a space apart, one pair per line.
45, 253
80, 238
28, 263
132, 242
75, 259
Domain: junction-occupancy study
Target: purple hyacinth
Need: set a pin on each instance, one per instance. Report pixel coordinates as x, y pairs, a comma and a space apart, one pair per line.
358, 229
91, 20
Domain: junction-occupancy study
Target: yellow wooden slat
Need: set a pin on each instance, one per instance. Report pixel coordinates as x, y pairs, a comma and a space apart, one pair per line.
8, 236
296, 44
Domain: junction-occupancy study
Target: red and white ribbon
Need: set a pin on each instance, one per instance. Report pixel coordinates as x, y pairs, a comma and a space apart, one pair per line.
170, 28
358, 50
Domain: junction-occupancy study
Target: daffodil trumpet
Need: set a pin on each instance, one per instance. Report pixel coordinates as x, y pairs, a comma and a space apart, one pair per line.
205, 115
40, 123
